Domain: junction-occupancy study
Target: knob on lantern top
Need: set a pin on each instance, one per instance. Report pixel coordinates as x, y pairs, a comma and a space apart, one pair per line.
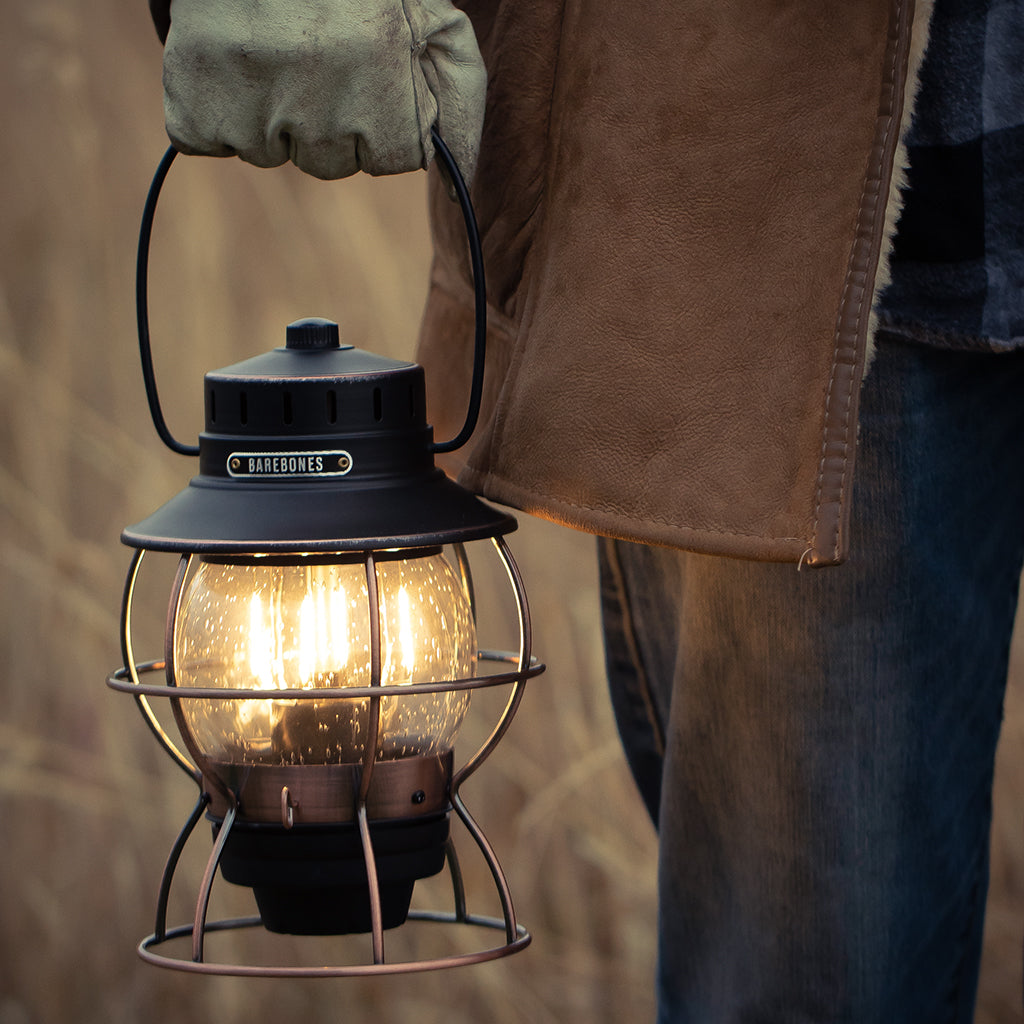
312, 333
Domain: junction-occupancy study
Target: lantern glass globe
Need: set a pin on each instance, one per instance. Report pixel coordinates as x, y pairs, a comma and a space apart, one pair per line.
304, 623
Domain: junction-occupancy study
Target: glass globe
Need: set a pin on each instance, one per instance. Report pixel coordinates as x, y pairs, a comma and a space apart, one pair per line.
268, 624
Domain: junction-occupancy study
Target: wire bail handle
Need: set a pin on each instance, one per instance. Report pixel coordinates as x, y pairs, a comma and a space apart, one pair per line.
479, 292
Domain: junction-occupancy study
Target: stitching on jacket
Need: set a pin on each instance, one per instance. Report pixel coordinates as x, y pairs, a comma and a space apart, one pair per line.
872, 180
828, 399
661, 520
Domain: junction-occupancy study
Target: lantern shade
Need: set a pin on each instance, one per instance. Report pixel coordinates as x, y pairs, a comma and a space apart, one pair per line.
316, 447
212, 516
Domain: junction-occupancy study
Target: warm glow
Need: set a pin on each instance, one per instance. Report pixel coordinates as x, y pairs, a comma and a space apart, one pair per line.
304, 626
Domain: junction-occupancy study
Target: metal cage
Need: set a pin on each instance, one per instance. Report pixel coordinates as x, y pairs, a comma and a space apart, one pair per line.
368, 785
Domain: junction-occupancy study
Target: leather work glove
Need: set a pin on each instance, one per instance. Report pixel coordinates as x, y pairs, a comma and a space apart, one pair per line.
335, 86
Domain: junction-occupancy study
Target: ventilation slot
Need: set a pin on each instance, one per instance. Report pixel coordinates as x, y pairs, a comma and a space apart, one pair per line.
243, 407
378, 405
287, 410
332, 407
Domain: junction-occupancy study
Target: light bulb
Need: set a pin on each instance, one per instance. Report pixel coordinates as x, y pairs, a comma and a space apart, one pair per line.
268, 624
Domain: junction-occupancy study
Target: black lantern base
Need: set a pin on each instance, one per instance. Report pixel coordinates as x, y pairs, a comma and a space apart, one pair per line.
312, 880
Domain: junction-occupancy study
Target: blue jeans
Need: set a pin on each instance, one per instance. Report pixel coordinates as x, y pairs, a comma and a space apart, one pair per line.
817, 747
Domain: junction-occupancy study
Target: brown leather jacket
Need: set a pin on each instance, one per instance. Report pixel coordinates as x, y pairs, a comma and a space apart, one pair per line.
685, 206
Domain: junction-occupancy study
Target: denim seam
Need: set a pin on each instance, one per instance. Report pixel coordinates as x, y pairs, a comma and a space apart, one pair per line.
629, 634
956, 989
956, 986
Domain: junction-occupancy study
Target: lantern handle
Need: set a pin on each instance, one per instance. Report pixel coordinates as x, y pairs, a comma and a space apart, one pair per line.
476, 260
479, 293
142, 308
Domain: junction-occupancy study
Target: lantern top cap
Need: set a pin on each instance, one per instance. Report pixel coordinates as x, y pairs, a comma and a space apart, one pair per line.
312, 350
312, 332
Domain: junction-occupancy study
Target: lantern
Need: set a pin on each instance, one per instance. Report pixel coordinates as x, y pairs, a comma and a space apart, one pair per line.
321, 649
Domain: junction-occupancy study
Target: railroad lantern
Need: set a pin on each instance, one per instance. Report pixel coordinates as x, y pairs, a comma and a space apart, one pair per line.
321, 647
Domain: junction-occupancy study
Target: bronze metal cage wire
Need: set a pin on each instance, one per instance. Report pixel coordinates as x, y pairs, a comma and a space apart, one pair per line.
519, 667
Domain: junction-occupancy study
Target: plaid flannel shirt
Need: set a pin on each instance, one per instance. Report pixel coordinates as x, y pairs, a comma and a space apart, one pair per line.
958, 257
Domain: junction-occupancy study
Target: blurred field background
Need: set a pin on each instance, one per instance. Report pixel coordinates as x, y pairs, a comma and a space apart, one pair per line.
88, 805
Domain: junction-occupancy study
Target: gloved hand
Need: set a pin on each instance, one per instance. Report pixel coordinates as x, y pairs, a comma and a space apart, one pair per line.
335, 86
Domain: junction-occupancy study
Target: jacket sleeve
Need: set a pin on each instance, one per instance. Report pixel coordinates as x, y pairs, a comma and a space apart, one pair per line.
161, 11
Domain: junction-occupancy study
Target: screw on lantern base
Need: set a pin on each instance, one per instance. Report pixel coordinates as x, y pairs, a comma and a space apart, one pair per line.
311, 880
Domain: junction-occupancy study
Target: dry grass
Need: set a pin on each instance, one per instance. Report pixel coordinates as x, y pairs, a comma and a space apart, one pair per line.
88, 804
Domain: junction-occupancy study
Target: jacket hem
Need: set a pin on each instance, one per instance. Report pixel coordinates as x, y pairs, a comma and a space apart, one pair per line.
644, 530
